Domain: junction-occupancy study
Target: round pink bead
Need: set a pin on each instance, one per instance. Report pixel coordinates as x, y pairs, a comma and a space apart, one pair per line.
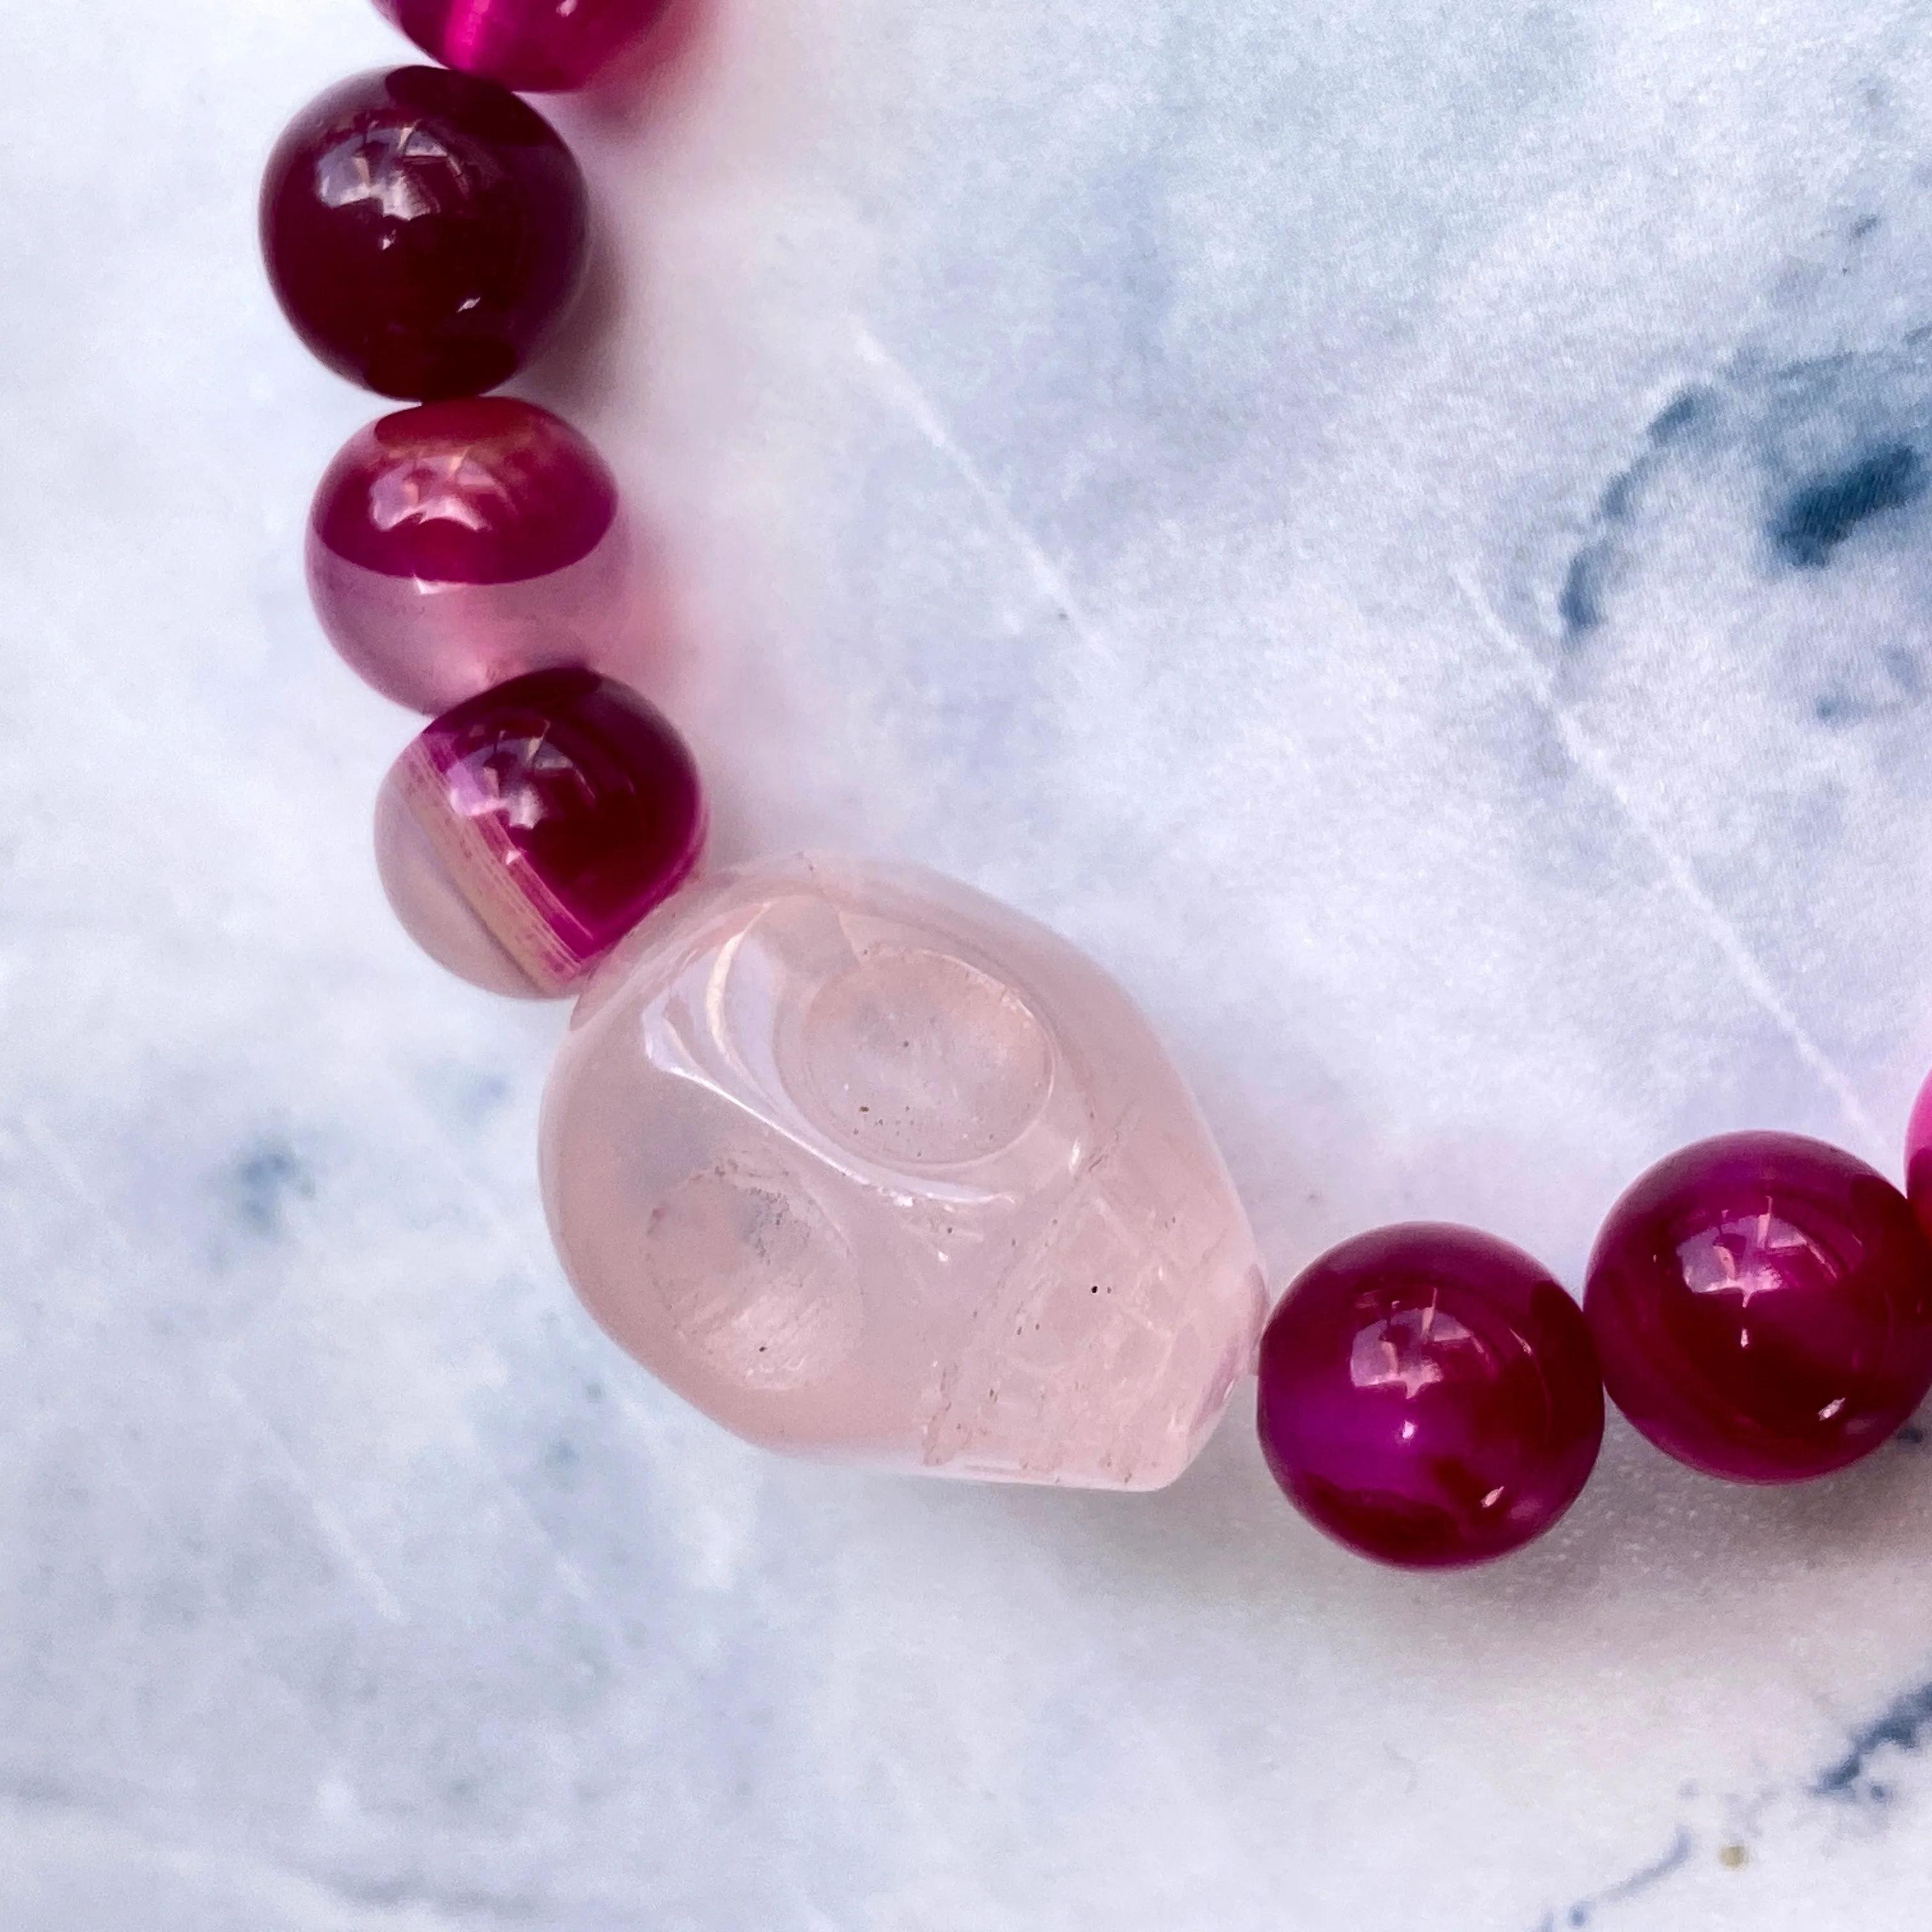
526, 831
456, 546
424, 231
537, 46
1762, 1304
1429, 1397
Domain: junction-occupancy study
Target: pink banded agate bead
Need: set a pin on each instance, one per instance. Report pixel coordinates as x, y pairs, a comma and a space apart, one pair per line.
866, 1166
423, 232
526, 831
456, 546
537, 46
1762, 1304
1429, 1397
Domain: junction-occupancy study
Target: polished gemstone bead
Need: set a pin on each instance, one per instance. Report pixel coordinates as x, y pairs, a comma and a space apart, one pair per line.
1429, 1397
868, 1166
1762, 1304
536, 46
526, 831
1918, 1157
456, 546
424, 231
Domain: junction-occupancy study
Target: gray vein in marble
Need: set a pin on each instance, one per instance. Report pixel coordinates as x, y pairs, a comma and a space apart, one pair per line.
1585, 1911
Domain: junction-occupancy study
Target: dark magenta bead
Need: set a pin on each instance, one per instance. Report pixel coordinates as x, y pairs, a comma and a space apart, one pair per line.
1429, 1397
537, 46
456, 546
1762, 1304
1918, 1157
526, 832
424, 231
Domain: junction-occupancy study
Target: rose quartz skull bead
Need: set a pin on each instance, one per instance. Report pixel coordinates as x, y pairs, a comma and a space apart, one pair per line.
868, 1166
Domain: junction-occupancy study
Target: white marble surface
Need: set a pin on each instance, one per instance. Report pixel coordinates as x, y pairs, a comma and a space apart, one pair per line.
1302, 503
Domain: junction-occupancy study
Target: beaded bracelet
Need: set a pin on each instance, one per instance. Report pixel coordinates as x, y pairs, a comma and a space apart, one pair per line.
859, 1162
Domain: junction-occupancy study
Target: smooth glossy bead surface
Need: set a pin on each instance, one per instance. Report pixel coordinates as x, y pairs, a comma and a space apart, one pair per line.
866, 1165
456, 546
1429, 1397
424, 231
526, 832
536, 46
1762, 1304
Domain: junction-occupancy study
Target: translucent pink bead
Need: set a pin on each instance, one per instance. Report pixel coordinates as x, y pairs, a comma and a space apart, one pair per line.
866, 1165
1762, 1304
1429, 1397
456, 546
536, 46
423, 232
526, 831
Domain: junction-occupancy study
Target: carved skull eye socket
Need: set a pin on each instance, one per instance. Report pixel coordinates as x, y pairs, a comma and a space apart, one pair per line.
918, 1060
755, 1279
